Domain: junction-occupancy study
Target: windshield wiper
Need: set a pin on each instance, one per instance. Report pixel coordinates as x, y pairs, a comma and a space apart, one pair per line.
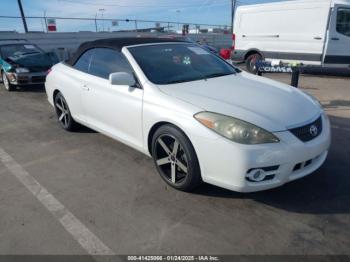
218, 75
32, 52
17, 54
182, 81
177, 81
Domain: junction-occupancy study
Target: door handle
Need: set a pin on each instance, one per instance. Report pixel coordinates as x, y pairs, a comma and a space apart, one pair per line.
335, 38
85, 88
318, 38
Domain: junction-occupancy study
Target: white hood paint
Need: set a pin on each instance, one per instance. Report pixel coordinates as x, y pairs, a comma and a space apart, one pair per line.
266, 103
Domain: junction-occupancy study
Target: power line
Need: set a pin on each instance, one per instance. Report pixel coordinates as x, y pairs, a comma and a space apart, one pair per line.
198, 5
137, 5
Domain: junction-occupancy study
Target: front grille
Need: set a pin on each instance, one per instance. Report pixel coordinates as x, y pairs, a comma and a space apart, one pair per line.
308, 132
22, 79
38, 79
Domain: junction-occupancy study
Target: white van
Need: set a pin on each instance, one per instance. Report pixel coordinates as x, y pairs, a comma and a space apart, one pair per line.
312, 32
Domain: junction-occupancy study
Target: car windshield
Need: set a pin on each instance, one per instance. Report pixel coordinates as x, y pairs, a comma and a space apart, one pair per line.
176, 63
18, 49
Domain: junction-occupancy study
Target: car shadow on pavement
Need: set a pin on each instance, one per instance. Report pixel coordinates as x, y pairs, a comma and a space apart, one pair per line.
326, 191
84, 130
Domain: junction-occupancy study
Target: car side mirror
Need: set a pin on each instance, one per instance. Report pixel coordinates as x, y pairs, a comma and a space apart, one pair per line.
122, 79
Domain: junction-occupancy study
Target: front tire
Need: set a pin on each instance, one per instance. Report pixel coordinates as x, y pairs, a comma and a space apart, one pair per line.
6, 82
63, 113
175, 158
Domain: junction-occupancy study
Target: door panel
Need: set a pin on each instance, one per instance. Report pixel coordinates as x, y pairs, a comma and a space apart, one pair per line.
114, 110
73, 79
338, 44
69, 84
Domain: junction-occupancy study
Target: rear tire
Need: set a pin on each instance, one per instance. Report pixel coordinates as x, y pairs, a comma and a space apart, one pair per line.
6, 82
175, 158
251, 62
63, 113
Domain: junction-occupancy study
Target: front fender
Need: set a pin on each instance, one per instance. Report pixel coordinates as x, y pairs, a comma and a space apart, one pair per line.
160, 108
5, 66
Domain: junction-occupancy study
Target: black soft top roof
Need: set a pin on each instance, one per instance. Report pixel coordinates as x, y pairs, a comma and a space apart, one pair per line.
117, 44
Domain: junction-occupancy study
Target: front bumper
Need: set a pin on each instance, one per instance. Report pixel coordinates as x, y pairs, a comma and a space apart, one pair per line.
226, 164
21, 79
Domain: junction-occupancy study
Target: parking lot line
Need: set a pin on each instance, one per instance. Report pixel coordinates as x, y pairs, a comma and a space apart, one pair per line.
90, 242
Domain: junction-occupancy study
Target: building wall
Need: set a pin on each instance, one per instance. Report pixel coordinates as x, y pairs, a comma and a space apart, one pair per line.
64, 44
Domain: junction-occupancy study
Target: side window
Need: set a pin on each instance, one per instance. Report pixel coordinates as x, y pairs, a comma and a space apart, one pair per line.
106, 61
343, 21
83, 62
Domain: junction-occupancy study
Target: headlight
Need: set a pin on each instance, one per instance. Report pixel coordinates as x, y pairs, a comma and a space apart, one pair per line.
235, 129
22, 70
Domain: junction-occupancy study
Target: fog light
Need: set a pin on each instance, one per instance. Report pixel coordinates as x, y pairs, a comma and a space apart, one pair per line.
256, 175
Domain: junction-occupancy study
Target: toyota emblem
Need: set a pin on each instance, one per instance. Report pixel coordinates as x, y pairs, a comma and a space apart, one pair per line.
313, 130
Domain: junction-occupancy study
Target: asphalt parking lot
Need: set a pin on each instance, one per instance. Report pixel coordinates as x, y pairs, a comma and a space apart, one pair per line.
116, 193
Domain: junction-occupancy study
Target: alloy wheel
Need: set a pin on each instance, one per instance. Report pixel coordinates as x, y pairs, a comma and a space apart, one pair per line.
5, 81
62, 112
171, 159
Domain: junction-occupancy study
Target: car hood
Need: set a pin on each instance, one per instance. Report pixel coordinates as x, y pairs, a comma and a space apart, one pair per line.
34, 62
266, 103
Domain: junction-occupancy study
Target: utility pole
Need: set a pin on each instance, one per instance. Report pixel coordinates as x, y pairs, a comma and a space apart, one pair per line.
103, 20
178, 19
22, 15
233, 10
135, 25
96, 22
46, 28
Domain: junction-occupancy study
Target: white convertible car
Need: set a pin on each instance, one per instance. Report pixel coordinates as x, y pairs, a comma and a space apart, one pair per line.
200, 118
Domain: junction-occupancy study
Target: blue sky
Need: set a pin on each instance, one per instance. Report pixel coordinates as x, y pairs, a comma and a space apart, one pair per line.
194, 11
